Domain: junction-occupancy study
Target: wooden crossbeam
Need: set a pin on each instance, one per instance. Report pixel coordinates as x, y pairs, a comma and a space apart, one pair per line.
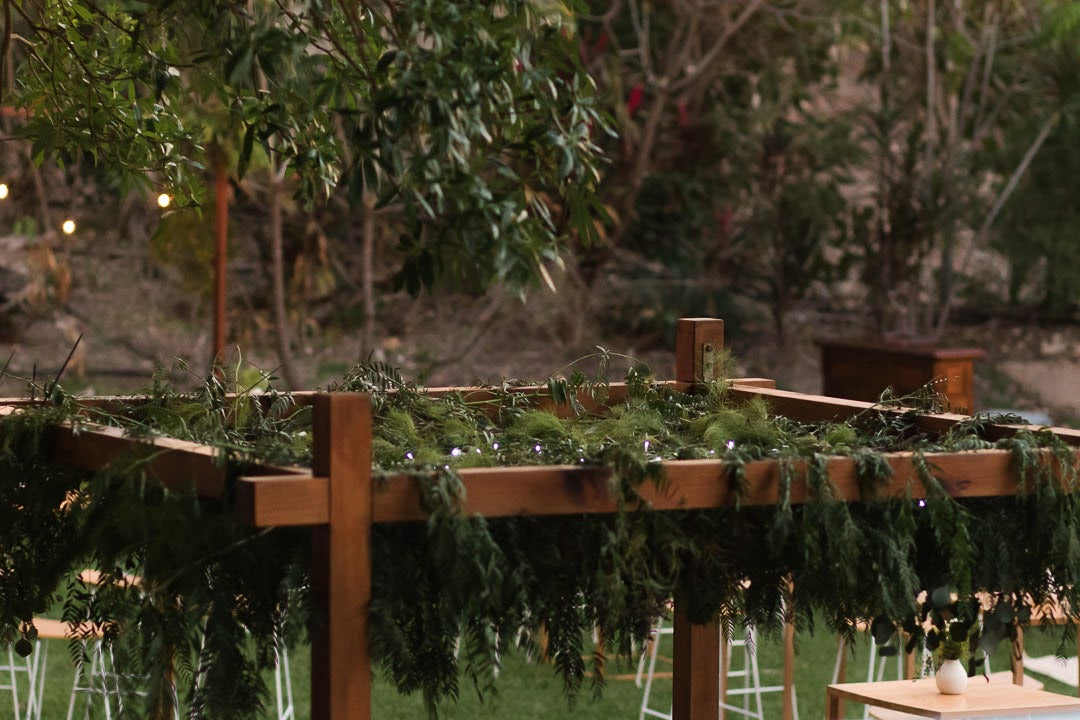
819, 408
176, 464
573, 489
303, 398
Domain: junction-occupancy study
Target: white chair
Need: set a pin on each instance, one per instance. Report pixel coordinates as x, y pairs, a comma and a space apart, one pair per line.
102, 671
750, 688
99, 681
33, 667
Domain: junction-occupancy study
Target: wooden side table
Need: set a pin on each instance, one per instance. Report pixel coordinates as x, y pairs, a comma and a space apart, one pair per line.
981, 700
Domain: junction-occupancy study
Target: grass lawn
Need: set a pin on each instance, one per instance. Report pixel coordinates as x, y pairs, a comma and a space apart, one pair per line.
529, 691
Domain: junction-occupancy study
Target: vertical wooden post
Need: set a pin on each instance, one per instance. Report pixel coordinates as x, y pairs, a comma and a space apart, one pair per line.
340, 663
698, 341
696, 672
696, 675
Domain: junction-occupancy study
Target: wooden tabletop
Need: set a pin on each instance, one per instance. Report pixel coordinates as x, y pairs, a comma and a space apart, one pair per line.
922, 699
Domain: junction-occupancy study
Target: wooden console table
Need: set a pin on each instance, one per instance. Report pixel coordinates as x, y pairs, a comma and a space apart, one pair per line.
862, 369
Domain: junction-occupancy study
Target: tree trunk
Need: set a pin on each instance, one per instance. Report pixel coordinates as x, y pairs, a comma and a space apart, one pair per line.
368, 271
277, 271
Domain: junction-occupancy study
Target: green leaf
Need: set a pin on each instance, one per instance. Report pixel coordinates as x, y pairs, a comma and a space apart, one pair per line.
245, 152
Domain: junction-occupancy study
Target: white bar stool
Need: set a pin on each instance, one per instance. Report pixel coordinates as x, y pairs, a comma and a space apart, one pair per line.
748, 673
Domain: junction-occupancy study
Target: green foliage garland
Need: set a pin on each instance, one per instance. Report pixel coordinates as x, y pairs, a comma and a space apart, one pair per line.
452, 593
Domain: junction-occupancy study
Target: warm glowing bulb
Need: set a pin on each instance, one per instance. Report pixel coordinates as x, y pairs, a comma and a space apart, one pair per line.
68, 227
3, 191
163, 200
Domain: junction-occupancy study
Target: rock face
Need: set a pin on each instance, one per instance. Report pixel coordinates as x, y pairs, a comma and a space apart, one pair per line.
14, 283
1055, 381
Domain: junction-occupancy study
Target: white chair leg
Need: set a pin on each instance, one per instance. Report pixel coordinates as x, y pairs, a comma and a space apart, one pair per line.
751, 654
640, 674
104, 675
14, 681
654, 650
283, 684
36, 692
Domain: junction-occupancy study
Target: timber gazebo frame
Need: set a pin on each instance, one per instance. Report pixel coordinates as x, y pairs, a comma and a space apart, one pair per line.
337, 498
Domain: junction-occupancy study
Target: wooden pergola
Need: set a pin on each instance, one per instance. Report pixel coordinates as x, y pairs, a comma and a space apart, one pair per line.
338, 499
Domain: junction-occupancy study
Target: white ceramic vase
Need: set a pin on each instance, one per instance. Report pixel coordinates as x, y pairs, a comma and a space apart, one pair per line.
951, 677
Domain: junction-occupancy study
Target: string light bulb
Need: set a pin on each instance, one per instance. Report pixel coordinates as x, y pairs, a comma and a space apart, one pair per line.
68, 227
164, 200
3, 191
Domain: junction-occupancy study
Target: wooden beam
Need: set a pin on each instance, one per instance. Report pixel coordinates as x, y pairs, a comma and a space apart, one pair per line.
573, 489
820, 408
282, 500
341, 572
694, 484
176, 464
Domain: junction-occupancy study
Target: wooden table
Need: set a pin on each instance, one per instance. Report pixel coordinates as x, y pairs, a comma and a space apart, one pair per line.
981, 700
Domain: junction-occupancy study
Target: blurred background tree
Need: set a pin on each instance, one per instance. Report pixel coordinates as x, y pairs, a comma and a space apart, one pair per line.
752, 159
472, 121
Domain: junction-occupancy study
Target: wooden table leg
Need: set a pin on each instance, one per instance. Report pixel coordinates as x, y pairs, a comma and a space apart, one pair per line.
834, 707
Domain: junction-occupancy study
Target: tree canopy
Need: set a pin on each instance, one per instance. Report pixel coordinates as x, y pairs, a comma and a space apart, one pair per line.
474, 117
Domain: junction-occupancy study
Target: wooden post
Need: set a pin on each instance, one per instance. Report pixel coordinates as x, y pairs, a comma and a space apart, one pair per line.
696, 675
698, 342
340, 664
696, 672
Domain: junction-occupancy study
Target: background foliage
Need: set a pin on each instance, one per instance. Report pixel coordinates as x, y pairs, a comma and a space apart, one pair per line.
694, 158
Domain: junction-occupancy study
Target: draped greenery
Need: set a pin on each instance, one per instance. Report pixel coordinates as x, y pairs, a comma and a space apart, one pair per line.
214, 599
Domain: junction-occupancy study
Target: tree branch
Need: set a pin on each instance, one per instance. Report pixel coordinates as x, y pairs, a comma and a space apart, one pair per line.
999, 202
